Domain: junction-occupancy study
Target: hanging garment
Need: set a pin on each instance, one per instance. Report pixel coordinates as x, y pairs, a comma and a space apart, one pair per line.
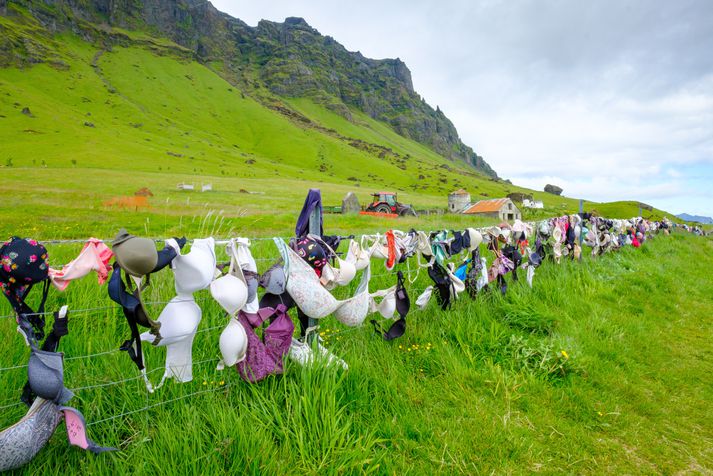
313, 299
423, 299
401, 303
358, 256
239, 249
333, 276
138, 259
473, 276
393, 253
45, 371
24, 263
311, 252
180, 318
313, 201
377, 249
265, 357
95, 256
443, 284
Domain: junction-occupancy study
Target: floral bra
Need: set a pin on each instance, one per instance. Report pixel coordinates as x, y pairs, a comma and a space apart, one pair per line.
313, 299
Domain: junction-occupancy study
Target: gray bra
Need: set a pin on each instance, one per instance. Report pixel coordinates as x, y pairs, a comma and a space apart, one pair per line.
45, 372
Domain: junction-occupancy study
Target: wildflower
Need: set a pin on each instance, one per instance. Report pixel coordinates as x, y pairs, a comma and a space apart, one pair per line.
205, 383
222, 382
600, 413
564, 354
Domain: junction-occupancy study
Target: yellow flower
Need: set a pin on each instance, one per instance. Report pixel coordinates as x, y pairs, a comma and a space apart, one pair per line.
564, 354
205, 383
222, 382
600, 414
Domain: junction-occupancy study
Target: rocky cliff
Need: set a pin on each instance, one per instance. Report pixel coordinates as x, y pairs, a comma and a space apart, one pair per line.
289, 59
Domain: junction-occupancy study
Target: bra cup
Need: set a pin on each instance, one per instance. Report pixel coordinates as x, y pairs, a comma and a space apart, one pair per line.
387, 306
353, 311
329, 276
233, 343
179, 321
458, 285
346, 272
231, 293
194, 270
46, 375
303, 285
22, 441
378, 250
357, 256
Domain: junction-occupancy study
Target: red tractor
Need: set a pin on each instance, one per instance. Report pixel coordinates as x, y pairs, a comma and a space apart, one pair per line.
386, 202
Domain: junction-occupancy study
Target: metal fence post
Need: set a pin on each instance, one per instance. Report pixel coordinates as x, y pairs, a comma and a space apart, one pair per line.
315, 226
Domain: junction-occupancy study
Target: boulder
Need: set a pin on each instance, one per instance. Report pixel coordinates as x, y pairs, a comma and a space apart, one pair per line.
350, 203
553, 189
519, 196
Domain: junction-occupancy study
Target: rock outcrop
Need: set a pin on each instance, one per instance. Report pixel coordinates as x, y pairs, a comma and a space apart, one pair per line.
553, 189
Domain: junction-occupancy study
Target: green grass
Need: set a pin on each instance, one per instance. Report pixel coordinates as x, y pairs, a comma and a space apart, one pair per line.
479, 389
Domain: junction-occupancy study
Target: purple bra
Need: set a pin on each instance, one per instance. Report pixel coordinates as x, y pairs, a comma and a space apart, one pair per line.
265, 357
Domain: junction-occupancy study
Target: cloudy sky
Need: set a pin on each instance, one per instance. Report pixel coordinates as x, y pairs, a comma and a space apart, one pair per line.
611, 100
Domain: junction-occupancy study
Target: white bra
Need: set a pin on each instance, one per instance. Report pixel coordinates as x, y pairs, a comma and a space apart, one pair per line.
335, 276
357, 255
194, 270
376, 249
313, 299
387, 306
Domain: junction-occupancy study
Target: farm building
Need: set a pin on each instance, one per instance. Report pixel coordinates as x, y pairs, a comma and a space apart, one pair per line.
501, 208
458, 201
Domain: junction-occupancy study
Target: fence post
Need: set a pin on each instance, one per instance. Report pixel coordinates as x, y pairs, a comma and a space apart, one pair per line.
315, 225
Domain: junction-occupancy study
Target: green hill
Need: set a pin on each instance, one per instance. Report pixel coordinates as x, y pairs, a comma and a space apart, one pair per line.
90, 112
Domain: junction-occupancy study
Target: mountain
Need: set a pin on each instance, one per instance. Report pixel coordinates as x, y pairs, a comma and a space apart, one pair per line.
696, 218
287, 60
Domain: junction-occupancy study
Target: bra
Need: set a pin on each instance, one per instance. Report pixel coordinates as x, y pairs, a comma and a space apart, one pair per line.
233, 344
239, 250
393, 299
45, 372
273, 281
357, 255
335, 276
313, 299
387, 306
194, 270
377, 248
231, 289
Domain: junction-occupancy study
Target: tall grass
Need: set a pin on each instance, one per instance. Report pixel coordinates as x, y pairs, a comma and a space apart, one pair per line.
600, 368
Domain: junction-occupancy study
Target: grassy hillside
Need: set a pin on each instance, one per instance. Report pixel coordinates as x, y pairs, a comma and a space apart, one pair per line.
601, 368
101, 123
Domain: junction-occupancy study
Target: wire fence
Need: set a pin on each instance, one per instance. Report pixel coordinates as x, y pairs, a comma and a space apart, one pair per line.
115, 308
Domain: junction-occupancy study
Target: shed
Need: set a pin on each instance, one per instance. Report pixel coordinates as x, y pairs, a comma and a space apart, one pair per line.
500, 208
458, 201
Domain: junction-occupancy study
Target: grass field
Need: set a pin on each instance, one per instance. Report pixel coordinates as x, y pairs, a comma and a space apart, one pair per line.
603, 367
